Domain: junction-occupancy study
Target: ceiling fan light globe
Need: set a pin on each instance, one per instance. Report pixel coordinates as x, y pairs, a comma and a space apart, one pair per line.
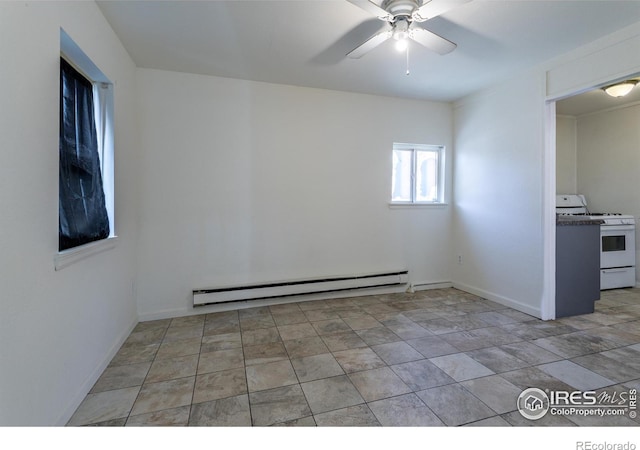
402, 44
400, 35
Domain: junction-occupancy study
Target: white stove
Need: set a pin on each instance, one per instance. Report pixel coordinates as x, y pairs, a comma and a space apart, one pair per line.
608, 218
617, 241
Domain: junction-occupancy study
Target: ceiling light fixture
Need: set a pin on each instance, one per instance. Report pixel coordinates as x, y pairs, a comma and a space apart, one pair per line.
401, 34
620, 89
401, 45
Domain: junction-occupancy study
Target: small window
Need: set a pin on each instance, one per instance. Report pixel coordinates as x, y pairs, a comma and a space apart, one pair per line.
82, 210
417, 174
86, 181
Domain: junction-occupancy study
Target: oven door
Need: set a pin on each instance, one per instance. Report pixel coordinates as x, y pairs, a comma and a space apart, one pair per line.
617, 246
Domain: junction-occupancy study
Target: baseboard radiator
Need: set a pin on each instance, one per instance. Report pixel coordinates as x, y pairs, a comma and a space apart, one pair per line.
203, 297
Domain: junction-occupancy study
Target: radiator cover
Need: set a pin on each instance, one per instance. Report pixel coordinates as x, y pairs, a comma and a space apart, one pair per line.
227, 294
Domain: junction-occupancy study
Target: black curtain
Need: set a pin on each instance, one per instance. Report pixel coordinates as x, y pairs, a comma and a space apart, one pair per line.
82, 212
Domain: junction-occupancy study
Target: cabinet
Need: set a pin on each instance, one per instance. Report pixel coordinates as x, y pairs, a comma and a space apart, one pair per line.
577, 267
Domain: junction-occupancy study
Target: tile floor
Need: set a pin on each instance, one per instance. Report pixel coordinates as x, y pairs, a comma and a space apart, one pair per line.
433, 358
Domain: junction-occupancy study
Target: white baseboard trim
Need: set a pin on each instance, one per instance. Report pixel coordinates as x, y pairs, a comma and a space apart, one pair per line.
93, 377
527, 309
427, 285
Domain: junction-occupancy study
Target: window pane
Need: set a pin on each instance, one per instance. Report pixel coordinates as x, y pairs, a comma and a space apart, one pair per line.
401, 177
426, 176
82, 213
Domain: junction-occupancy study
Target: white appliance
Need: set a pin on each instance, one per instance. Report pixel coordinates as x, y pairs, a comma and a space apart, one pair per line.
617, 241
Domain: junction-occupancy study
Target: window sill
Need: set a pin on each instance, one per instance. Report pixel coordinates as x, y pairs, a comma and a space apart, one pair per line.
396, 205
68, 257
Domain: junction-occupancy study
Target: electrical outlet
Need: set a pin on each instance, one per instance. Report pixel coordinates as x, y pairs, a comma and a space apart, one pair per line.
460, 260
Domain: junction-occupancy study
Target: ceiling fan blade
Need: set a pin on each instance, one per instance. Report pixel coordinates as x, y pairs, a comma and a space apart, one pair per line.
434, 8
369, 45
373, 9
431, 41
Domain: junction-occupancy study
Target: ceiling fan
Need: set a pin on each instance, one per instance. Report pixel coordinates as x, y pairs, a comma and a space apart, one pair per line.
400, 16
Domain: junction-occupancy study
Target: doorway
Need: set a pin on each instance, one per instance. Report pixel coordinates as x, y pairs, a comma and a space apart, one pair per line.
600, 174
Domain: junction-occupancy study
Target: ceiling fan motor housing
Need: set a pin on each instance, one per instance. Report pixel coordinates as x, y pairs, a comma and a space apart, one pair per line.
400, 8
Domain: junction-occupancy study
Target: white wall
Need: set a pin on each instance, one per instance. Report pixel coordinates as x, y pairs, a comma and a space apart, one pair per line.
57, 329
248, 182
566, 163
497, 185
504, 172
608, 162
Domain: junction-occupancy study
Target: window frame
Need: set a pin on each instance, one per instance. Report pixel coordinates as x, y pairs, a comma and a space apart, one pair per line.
440, 150
103, 90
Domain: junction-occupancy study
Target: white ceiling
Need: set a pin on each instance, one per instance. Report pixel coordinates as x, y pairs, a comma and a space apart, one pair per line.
596, 100
304, 42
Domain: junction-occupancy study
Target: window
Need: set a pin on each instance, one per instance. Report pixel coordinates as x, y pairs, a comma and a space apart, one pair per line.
86, 205
417, 174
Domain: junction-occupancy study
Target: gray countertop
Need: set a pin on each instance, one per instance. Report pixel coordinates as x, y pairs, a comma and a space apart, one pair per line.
577, 220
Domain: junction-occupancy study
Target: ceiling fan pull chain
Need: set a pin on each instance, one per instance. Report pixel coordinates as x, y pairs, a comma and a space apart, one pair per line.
408, 73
